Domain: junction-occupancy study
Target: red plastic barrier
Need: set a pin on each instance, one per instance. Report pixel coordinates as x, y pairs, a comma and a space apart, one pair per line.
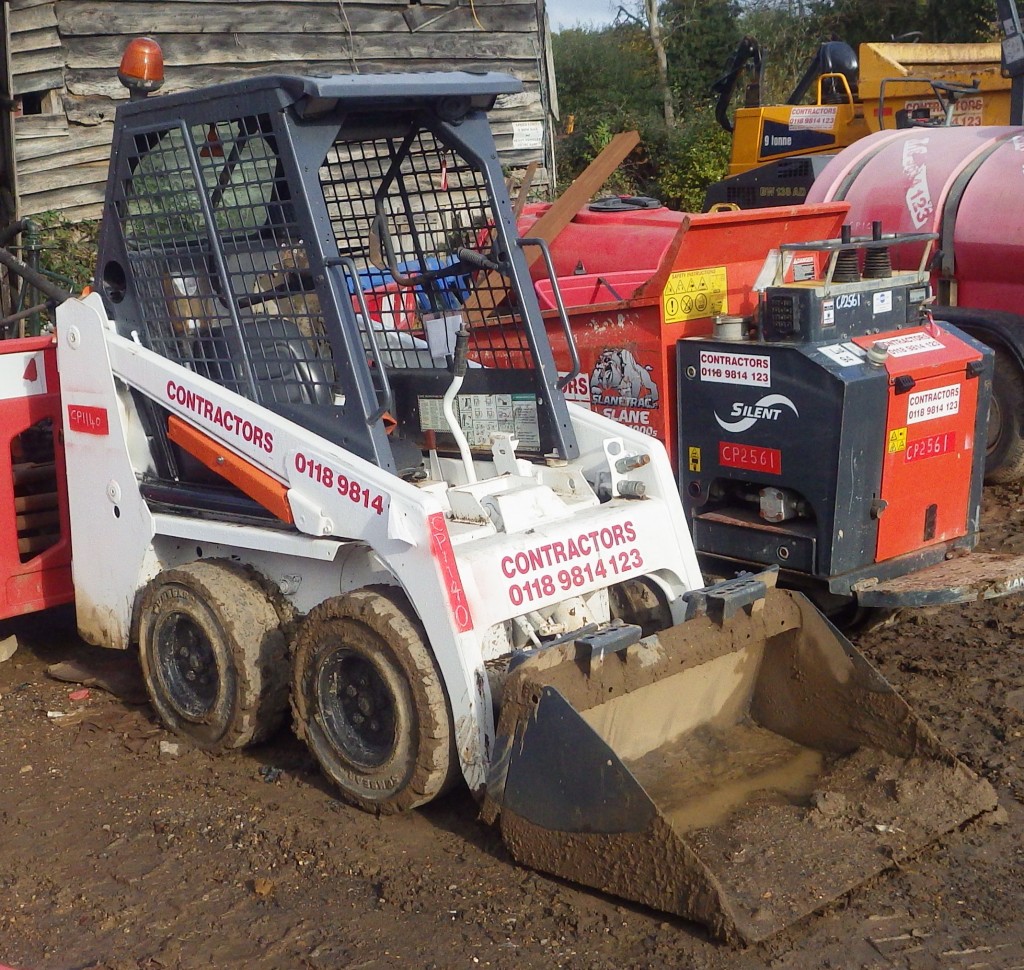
35, 529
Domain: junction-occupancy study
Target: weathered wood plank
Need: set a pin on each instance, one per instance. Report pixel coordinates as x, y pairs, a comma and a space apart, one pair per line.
78, 202
70, 160
17, 5
91, 110
90, 18
88, 173
31, 41
77, 136
103, 82
36, 62
191, 50
519, 100
40, 126
26, 81
34, 18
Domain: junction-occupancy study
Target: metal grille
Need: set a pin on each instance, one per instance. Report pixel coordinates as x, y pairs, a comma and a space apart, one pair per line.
219, 267
402, 209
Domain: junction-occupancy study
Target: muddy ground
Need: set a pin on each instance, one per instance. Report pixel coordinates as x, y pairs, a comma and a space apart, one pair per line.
117, 854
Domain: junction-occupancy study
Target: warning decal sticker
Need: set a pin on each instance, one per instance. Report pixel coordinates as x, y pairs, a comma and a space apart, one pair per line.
694, 293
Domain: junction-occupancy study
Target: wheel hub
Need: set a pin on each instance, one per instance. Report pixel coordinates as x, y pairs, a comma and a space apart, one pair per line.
187, 666
357, 708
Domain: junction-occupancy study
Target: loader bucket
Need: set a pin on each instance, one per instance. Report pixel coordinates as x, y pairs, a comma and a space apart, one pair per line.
738, 771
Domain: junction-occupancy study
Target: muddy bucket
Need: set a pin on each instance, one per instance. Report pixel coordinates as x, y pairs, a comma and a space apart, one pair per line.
740, 771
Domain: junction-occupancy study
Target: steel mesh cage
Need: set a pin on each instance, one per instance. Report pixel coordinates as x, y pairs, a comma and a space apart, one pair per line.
219, 265
332, 266
402, 208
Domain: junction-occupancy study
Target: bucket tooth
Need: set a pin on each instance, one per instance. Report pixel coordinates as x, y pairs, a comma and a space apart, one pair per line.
740, 772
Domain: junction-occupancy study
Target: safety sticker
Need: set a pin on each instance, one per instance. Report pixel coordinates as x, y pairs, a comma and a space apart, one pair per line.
936, 403
695, 293
845, 355
910, 344
828, 313
897, 441
693, 459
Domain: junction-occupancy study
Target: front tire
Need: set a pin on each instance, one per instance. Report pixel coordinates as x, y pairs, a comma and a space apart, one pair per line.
369, 702
213, 654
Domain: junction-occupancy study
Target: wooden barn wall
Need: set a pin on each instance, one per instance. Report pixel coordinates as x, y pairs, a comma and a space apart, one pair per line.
72, 49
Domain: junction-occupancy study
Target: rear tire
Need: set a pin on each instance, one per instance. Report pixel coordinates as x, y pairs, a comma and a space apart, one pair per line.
1004, 453
369, 702
213, 654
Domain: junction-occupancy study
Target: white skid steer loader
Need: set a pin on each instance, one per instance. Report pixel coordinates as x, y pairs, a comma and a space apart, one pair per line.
316, 445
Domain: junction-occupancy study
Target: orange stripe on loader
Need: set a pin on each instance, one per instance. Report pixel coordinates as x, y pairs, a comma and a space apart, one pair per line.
255, 482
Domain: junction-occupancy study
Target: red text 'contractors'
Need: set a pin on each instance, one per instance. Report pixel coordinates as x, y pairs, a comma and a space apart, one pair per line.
578, 547
224, 418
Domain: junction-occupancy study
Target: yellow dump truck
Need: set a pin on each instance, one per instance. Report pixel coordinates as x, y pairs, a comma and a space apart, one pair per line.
779, 149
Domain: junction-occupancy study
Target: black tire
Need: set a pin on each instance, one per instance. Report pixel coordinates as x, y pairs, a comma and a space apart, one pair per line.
1004, 451
213, 654
369, 701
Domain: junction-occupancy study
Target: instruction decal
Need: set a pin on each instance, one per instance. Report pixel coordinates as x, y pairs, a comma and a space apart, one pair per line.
691, 294
481, 414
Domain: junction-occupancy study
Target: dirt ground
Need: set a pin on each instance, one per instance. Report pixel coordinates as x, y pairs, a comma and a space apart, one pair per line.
116, 852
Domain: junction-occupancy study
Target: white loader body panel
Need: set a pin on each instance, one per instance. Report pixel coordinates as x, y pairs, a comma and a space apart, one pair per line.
355, 523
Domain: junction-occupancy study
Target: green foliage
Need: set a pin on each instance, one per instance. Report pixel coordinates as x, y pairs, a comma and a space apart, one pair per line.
877, 21
699, 35
692, 157
605, 85
607, 80
68, 249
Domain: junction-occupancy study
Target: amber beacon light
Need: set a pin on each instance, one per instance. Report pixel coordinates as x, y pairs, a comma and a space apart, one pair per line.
142, 67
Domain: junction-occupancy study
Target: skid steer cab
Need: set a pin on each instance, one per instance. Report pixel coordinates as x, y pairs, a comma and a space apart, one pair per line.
317, 448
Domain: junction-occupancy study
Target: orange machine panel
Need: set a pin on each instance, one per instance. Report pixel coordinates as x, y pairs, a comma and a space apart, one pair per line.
930, 439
